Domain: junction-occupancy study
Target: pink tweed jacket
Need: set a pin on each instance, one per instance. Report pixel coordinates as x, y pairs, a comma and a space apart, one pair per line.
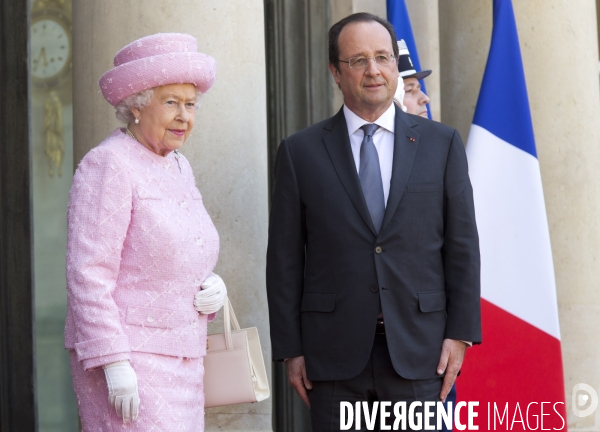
140, 243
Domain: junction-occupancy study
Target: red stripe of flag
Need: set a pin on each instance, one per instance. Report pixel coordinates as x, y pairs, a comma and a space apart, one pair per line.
517, 364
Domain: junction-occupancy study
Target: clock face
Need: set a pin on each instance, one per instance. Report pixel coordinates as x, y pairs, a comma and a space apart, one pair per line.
50, 49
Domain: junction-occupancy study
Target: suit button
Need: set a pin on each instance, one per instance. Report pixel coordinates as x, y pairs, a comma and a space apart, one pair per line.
378, 249
374, 288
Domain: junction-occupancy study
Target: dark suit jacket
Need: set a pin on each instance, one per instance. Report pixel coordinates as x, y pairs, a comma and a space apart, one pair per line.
327, 268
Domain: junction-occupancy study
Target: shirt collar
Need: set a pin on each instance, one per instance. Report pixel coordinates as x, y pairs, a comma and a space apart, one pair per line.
387, 120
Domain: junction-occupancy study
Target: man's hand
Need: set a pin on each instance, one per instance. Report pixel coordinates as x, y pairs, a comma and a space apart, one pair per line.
453, 354
296, 371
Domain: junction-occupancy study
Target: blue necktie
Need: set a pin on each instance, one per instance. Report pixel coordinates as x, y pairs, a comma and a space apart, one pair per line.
370, 176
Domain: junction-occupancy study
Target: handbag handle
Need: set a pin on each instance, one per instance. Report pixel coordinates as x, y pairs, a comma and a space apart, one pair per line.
229, 319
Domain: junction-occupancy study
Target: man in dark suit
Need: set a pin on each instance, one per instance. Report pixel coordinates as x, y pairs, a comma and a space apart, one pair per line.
373, 256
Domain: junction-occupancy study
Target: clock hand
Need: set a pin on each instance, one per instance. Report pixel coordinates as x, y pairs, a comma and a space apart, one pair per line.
42, 54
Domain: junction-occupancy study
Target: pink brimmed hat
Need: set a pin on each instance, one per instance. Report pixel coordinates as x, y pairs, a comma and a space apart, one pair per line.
157, 60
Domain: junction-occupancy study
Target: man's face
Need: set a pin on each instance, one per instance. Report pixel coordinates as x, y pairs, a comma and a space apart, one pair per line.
414, 99
371, 89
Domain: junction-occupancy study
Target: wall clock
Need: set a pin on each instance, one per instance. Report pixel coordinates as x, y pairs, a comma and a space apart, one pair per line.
51, 47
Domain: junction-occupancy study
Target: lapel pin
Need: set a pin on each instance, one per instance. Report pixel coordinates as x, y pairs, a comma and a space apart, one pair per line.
411, 139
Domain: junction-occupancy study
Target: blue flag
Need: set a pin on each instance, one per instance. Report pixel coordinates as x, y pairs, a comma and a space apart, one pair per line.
503, 105
397, 14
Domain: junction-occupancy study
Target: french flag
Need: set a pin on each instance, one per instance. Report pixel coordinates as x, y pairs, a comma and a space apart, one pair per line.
519, 364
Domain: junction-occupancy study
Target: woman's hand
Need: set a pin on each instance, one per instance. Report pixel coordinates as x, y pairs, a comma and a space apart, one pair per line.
212, 295
122, 389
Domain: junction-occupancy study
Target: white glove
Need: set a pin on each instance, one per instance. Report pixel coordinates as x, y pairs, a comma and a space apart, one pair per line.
122, 389
212, 295
399, 96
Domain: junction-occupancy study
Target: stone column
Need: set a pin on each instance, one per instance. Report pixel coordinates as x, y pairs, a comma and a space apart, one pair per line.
424, 19
559, 45
228, 147
342, 8
465, 29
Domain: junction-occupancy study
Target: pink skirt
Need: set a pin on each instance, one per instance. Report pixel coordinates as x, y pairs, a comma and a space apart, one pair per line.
171, 395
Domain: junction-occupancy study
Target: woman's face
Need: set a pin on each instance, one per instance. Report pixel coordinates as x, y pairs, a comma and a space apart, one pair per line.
167, 121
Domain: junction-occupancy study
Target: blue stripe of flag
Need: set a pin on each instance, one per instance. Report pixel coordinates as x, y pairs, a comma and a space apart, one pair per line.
503, 105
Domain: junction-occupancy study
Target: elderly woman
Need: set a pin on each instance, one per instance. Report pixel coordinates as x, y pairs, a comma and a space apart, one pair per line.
141, 249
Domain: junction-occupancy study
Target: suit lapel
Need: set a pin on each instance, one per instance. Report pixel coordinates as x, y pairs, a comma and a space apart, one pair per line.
337, 143
406, 143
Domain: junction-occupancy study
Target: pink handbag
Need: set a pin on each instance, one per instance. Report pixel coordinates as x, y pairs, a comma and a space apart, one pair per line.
234, 369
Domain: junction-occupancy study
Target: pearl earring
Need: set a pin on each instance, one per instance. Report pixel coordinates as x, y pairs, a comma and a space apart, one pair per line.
137, 121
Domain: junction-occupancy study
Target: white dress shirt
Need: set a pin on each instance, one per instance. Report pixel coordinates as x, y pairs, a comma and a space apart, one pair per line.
383, 140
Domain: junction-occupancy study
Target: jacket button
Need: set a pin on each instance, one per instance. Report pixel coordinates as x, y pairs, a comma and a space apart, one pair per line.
378, 249
374, 288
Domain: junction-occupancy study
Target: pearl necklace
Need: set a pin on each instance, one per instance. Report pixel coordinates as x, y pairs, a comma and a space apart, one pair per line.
177, 155
128, 132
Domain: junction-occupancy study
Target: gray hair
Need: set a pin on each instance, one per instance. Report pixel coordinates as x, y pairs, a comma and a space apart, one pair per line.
140, 101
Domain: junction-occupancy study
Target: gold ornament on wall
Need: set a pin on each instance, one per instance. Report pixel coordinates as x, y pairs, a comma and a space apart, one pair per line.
54, 138
51, 47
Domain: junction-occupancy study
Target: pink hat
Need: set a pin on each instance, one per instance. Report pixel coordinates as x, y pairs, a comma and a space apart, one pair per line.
157, 60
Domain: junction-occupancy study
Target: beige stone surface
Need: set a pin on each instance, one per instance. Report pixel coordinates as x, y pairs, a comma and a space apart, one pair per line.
424, 19
465, 28
581, 354
376, 7
250, 421
227, 149
559, 45
341, 9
